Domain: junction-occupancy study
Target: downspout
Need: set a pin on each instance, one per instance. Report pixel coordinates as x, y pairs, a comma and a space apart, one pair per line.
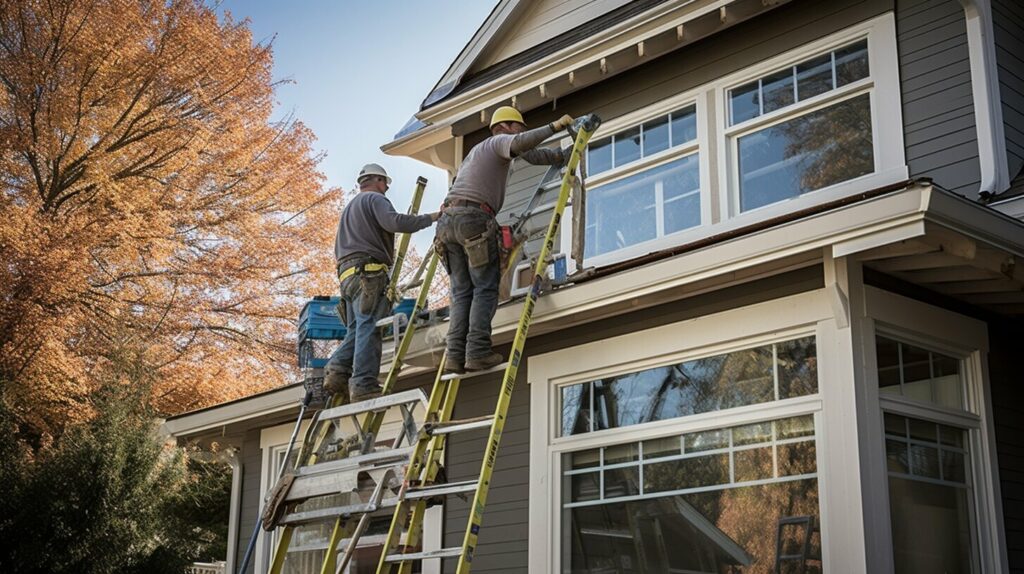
234, 509
988, 109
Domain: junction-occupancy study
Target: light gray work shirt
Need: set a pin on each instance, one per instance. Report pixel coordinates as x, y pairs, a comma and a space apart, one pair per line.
484, 173
368, 225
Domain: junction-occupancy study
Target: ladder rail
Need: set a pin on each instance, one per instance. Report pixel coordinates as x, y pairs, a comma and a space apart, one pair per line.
317, 430
425, 465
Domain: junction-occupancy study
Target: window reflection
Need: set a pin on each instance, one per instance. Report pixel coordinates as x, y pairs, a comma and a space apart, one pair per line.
750, 376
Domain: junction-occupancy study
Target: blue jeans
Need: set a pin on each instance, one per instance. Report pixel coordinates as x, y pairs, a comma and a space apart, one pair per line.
359, 353
474, 290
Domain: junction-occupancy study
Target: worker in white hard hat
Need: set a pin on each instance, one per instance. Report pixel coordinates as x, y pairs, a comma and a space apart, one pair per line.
467, 233
364, 250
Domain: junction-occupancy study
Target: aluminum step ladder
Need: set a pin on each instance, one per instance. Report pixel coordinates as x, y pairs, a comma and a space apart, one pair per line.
402, 545
366, 472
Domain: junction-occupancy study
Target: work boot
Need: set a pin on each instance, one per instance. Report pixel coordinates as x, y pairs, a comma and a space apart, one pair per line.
453, 365
485, 362
336, 381
365, 393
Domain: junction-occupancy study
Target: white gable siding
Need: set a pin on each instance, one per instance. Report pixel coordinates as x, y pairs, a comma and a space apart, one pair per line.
543, 21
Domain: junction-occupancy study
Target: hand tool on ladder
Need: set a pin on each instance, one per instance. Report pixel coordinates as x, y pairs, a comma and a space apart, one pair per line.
369, 461
418, 485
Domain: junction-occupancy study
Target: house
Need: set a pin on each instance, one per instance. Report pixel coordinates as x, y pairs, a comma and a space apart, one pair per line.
792, 339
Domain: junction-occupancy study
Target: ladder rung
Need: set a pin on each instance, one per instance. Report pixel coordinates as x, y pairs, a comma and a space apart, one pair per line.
471, 374
377, 404
390, 320
463, 425
444, 489
442, 553
326, 514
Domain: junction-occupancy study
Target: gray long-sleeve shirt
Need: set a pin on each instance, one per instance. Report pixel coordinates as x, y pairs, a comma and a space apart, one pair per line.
368, 226
484, 173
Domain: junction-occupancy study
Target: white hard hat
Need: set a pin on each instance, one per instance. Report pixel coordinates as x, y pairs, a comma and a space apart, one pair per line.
372, 169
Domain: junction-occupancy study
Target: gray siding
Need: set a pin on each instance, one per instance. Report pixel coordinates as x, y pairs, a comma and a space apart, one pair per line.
251, 461
502, 546
935, 79
1005, 377
746, 44
1008, 24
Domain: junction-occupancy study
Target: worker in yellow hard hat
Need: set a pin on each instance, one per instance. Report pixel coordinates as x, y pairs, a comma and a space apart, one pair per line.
467, 233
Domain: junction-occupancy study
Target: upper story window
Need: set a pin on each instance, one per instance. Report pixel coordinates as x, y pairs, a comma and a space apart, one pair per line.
645, 182
802, 128
919, 374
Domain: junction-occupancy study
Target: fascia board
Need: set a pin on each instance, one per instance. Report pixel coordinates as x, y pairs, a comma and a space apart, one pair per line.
419, 140
901, 211
659, 19
977, 221
283, 399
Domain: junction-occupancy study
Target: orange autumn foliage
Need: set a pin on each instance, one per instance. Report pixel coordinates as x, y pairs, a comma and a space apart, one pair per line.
151, 207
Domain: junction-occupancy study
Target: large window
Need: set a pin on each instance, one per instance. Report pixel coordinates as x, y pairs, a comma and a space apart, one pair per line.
928, 462
736, 498
645, 183
802, 128
739, 499
751, 376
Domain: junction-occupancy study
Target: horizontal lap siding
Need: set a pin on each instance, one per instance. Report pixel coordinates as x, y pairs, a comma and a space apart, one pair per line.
935, 80
1008, 24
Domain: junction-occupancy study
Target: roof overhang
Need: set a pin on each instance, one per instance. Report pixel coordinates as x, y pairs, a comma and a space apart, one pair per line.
976, 243
661, 29
264, 404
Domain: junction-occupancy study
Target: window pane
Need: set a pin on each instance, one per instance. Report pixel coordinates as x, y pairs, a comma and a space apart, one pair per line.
621, 453
953, 467
814, 76
707, 440
923, 430
684, 125
585, 486
575, 409
740, 378
627, 146
896, 456
777, 90
895, 425
852, 63
599, 156
797, 458
655, 136
619, 482
745, 102
798, 367
623, 213
681, 193
585, 458
686, 473
931, 527
795, 427
752, 434
888, 354
821, 148
661, 447
727, 530
924, 461
753, 464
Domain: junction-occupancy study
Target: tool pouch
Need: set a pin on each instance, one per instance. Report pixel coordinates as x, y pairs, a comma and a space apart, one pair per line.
442, 254
478, 249
372, 286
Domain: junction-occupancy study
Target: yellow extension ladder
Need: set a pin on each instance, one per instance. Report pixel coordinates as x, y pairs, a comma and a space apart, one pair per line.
419, 483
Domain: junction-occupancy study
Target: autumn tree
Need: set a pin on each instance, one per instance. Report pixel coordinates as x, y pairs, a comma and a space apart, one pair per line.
151, 204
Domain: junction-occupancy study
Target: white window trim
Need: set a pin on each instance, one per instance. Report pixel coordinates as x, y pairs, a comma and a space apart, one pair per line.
887, 119
887, 129
697, 97
932, 328
274, 440
775, 320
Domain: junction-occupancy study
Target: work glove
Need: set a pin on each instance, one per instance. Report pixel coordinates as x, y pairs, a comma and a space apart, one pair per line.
435, 216
562, 123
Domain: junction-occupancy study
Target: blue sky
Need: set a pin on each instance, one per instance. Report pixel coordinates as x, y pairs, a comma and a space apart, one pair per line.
360, 70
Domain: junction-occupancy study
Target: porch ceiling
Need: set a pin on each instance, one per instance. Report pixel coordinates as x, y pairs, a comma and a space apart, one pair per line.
956, 265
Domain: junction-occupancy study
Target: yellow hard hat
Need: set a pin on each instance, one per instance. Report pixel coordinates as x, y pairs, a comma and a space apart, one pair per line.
506, 114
